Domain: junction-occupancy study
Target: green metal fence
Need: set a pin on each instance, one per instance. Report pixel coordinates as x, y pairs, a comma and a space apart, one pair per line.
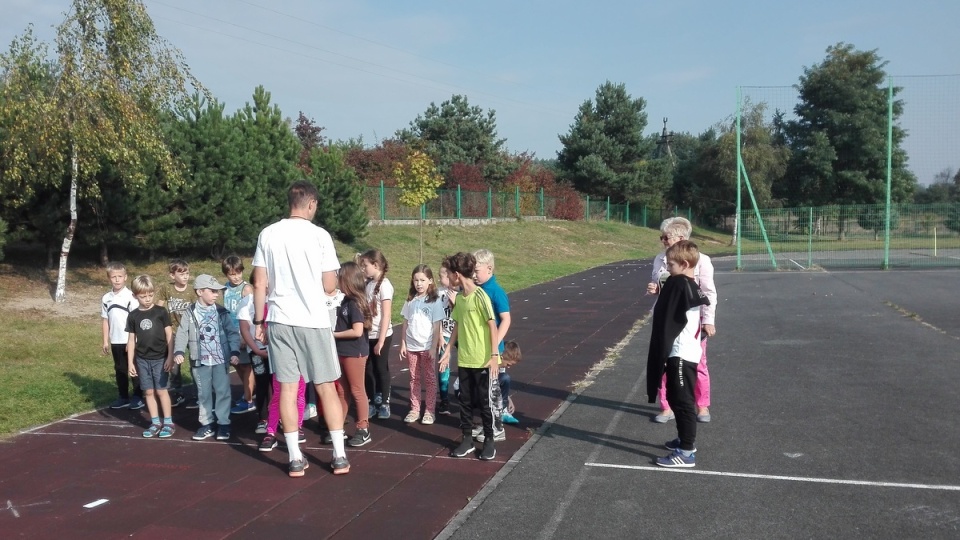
851, 237
383, 204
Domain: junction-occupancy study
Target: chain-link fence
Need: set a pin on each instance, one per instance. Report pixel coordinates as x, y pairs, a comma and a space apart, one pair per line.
383, 204
859, 236
852, 237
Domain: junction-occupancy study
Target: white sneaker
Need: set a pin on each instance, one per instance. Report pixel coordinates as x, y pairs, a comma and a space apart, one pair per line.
480, 437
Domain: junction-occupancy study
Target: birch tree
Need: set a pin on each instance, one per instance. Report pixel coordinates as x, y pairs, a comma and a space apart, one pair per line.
114, 76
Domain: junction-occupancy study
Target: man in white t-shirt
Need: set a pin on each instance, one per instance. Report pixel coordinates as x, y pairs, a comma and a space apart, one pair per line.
297, 263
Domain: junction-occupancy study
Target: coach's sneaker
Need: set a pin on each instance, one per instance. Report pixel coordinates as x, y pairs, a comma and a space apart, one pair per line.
465, 449
340, 465
676, 459
297, 467
205, 432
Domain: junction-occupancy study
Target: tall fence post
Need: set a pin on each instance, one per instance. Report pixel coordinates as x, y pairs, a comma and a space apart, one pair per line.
627, 212
608, 208
644, 215
810, 240
587, 213
886, 219
383, 203
459, 203
542, 213
516, 199
489, 202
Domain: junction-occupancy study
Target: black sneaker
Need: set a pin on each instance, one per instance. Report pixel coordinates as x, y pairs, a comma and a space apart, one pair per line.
360, 438
177, 400
137, 403
193, 404
674, 445
465, 449
205, 432
223, 433
302, 437
120, 403
488, 452
443, 408
268, 443
340, 465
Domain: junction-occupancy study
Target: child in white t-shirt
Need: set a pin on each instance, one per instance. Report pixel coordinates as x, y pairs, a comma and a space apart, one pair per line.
420, 341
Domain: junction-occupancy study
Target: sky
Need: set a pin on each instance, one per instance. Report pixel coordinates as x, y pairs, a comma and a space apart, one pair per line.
364, 68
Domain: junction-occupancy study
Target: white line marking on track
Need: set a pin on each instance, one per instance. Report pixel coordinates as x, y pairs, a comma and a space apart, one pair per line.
95, 503
937, 487
796, 263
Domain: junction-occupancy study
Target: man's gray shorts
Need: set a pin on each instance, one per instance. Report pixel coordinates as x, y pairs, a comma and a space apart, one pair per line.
296, 351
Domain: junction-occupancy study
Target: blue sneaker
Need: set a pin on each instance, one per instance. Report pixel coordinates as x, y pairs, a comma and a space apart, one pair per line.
383, 412
137, 403
243, 406
120, 403
676, 459
508, 418
223, 433
205, 432
674, 445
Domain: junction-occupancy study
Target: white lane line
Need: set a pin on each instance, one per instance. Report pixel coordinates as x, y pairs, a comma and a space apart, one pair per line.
938, 487
189, 442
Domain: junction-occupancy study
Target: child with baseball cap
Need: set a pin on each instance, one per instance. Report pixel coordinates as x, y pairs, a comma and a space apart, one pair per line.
208, 332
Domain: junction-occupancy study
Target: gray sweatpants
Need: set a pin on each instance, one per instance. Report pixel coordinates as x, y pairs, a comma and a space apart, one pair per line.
213, 393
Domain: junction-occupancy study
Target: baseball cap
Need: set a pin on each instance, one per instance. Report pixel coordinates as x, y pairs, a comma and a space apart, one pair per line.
206, 281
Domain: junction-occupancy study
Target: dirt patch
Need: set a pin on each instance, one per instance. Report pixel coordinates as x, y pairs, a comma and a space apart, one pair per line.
23, 293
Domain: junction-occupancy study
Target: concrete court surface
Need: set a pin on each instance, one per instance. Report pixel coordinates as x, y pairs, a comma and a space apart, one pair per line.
835, 415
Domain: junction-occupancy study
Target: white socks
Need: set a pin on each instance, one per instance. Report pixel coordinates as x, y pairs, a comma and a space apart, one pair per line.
293, 444
338, 450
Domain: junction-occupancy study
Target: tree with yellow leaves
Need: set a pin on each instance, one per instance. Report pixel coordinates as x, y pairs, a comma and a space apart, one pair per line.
418, 180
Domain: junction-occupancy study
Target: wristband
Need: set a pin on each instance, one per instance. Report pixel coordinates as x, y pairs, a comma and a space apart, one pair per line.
257, 323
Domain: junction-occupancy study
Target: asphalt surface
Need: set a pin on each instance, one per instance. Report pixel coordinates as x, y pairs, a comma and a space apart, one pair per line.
833, 415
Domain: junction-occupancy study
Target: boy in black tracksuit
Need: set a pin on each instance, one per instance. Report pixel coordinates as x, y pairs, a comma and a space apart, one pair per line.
675, 348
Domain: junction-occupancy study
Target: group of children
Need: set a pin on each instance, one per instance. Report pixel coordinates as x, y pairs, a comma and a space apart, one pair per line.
151, 331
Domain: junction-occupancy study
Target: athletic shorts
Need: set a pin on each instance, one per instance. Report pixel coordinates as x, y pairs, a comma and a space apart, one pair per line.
151, 373
297, 351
